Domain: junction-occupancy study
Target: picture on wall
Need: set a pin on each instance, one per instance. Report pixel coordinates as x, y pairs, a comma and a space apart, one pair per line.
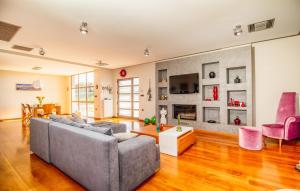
27, 87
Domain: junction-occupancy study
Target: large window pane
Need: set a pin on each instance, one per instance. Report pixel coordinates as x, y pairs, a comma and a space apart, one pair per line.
74, 94
136, 113
136, 89
136, 105
125, 89
90, 94
82, 94
124, 97
124, 82
136, 97
136, 81
91, 109
125, 105
82, 109
82, 80
75, 81
90, 79
74, 107
125, 112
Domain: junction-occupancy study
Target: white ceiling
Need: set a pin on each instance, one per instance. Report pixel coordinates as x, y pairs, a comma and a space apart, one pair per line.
120, 30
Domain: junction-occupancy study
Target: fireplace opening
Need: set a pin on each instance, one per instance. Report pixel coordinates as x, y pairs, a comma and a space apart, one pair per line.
187, 112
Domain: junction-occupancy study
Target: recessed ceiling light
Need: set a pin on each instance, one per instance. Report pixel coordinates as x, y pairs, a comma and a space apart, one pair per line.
237, 30
146, 52
84, 28
37, 68
42, 52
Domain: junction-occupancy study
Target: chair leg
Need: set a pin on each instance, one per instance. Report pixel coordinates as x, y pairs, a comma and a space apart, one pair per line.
280, 143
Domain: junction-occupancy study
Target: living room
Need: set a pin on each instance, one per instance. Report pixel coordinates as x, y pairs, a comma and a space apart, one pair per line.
160, 95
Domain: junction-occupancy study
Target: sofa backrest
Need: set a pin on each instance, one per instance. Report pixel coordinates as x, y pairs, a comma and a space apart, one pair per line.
88, 157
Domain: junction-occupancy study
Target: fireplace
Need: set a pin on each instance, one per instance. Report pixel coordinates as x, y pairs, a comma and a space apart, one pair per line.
187, 112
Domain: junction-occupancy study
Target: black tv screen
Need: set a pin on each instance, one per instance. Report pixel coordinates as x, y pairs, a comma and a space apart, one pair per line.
184, 84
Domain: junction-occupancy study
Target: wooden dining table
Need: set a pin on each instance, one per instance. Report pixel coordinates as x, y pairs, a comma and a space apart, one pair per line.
36, 108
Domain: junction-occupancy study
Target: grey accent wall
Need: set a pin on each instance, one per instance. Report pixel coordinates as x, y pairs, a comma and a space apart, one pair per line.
226, 64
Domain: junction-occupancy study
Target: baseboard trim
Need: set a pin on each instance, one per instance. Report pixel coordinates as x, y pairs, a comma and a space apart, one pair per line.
10, 119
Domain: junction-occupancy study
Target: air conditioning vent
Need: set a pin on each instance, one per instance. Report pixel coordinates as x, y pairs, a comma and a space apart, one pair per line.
8, 31
23, 48
259, 26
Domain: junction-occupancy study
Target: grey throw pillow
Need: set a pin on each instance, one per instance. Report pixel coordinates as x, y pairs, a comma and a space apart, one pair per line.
103, 130
124, 136
77, 118
54, 117
65, 121
80, 125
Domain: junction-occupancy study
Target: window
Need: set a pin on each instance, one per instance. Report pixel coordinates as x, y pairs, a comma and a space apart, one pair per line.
128, 98
83, 94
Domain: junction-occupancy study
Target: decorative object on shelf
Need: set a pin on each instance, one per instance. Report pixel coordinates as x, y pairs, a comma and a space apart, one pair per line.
231, 102
123, 73
237, 120
40, 100
215, 93
164, 80
243, 104
153, 120
211, 121
237, 80
178, 128
207, 99
146, 121
149, 92
163, 97
107, 88
163, 113
236, 103
212, 74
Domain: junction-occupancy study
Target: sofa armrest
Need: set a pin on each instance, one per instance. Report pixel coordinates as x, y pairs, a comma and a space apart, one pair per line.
39, 138
292, 127
138, 160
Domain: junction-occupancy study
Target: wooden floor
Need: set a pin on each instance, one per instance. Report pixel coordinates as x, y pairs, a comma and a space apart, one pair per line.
214, 163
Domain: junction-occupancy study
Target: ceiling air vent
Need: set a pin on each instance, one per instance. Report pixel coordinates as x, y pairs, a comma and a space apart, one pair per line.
23, 48
7, 31
259, 26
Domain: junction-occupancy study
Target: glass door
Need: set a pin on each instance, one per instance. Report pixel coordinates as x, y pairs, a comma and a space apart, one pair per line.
83, 94
128, 97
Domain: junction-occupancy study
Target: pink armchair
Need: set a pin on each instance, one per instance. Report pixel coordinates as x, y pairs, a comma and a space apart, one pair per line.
287, 124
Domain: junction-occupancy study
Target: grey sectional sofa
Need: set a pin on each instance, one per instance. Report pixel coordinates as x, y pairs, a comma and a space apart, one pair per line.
96, 161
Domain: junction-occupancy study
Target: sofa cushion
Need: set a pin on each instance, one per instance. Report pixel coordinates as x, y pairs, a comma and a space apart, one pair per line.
103, 130
124, 136
77, 118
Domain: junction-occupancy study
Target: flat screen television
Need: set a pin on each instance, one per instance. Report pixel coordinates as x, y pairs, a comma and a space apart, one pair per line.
184, 84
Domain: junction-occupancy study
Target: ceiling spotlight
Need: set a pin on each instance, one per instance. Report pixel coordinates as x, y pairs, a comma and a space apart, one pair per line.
237, 30
37, 68
42, 52
146, 52
84, 28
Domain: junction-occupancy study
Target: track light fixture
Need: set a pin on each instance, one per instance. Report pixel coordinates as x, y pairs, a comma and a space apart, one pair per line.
84, 28
146, 52
237, 30
42, 52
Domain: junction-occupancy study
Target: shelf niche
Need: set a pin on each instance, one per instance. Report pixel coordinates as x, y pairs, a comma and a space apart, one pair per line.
232, 73
240, 95
210, 67
162, 76
232, 114
208, 92
211, 113
162, 93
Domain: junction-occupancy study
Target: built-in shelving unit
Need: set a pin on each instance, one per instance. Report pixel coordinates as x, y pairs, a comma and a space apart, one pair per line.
231, 73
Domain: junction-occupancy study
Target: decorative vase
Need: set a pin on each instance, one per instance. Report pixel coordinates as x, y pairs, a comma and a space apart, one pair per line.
178, 129
215, 93
237, 120
237, 80
212, 74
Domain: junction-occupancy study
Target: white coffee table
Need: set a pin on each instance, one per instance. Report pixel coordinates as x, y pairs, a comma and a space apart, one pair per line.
174, 143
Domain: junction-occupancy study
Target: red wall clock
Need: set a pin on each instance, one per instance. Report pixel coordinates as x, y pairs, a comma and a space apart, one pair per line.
123, 73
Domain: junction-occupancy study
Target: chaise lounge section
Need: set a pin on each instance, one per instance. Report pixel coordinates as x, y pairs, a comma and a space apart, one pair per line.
96, 161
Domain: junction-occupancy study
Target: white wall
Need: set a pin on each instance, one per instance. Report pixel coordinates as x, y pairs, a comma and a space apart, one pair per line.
277, 69
54, 88
145, 72
103, 77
